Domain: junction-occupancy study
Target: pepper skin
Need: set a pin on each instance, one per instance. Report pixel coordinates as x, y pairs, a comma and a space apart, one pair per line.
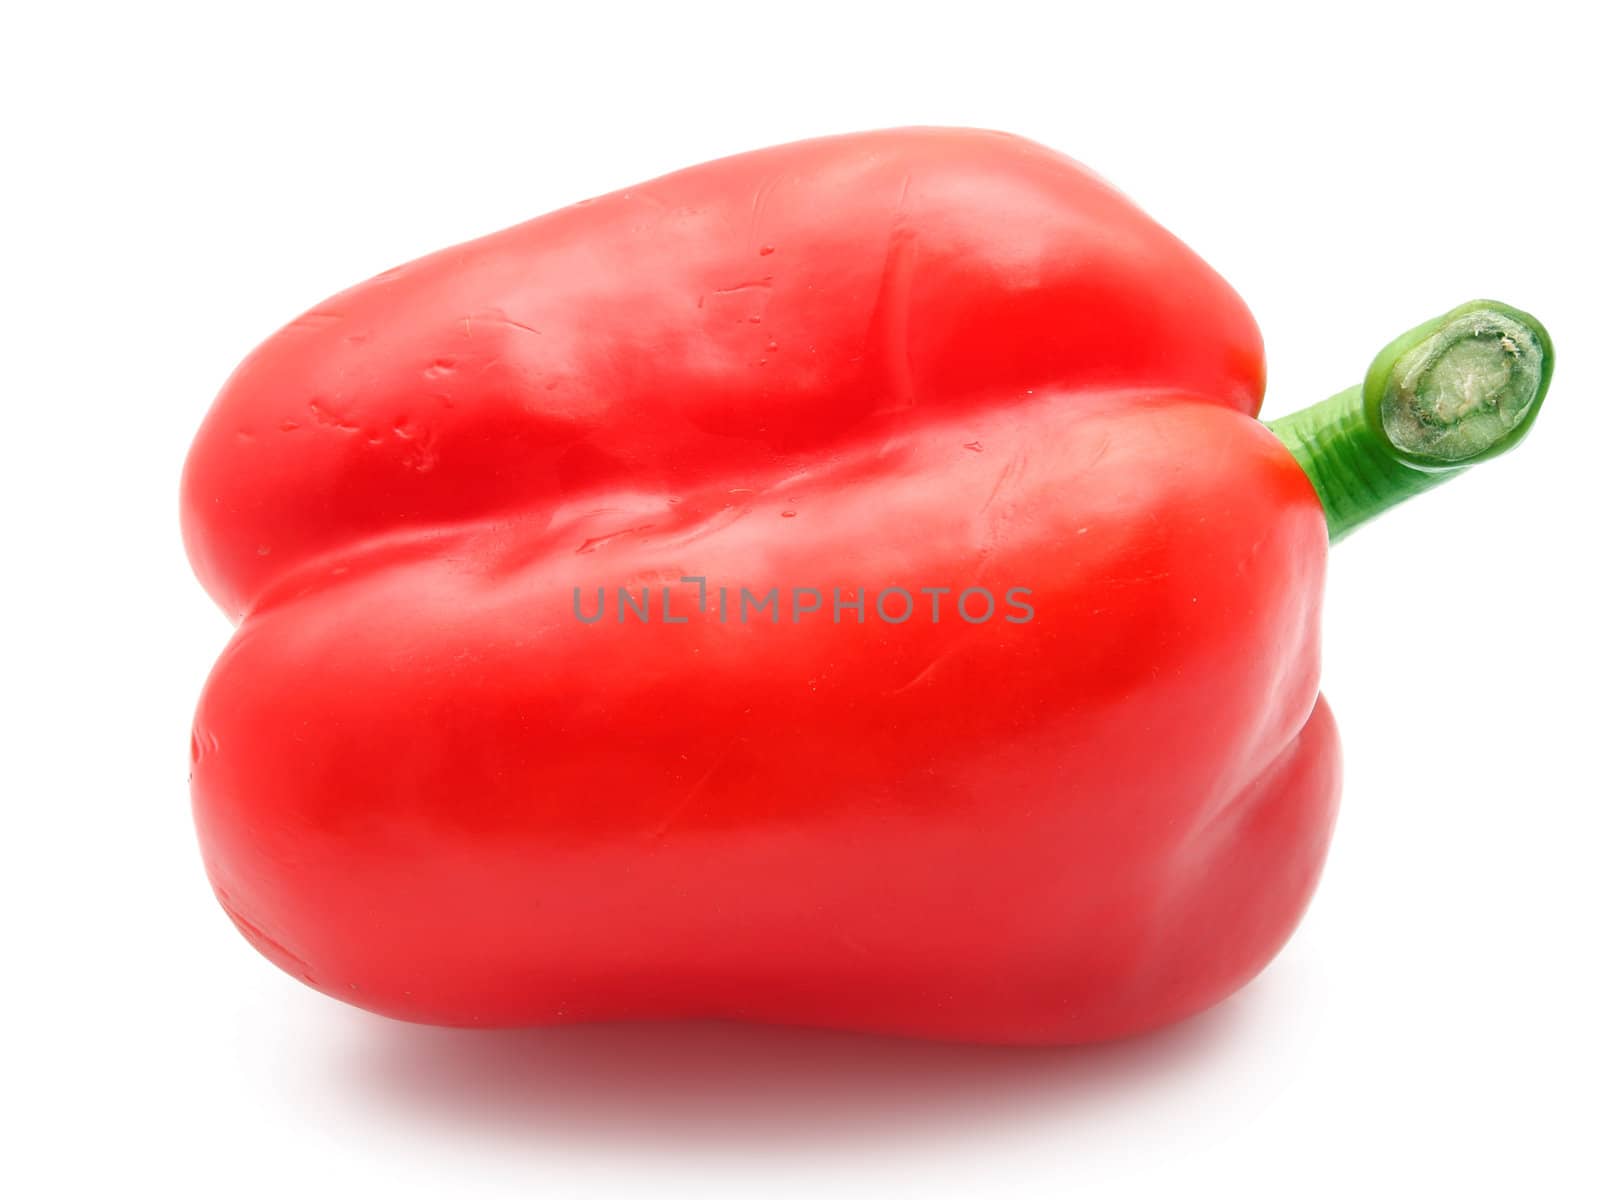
426, 784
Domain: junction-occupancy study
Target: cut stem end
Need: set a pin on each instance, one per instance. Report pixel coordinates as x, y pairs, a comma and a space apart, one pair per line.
1460, 391
1450, 393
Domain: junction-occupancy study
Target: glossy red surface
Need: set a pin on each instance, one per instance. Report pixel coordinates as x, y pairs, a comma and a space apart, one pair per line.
914, 358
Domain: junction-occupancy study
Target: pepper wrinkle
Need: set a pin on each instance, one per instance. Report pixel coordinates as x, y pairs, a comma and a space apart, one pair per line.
675, 814
764, 282
926, 674
891, 318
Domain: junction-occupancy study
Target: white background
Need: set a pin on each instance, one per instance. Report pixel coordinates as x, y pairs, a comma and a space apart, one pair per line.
182, 181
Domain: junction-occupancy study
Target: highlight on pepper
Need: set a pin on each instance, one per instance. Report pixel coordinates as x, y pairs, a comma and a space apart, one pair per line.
851, 367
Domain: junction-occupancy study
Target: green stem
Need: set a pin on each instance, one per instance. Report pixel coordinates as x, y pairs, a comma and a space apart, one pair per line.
1449, 394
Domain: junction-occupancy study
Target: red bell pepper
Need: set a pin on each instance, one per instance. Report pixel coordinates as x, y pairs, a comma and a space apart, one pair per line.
844, 584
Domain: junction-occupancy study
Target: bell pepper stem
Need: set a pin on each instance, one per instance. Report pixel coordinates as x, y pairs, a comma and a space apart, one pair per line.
1449, 394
